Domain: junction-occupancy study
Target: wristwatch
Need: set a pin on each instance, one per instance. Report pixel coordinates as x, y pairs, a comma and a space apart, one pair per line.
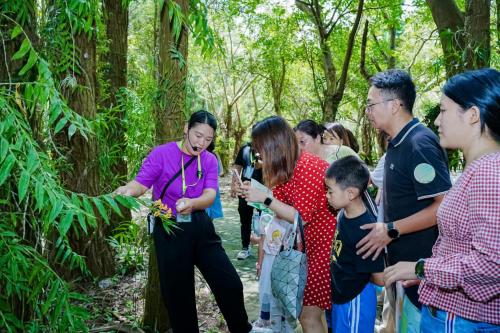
419, 269
268, 201
392, 232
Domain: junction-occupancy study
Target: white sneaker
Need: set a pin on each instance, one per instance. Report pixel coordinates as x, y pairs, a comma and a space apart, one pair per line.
243, 254
261, 326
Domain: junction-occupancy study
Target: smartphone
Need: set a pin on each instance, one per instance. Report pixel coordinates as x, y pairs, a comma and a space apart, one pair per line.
237, 176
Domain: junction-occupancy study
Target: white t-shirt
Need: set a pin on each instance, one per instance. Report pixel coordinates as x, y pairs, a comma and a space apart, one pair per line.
275, 233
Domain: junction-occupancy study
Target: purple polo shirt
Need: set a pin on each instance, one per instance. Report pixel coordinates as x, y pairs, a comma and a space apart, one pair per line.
165, 161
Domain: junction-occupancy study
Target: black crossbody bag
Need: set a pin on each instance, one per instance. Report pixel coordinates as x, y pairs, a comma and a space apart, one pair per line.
151, 218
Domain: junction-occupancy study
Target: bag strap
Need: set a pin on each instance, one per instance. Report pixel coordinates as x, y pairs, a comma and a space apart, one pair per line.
370, 204
292, 239
174, 177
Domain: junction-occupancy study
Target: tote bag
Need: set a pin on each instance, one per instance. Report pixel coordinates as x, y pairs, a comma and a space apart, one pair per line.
289, 273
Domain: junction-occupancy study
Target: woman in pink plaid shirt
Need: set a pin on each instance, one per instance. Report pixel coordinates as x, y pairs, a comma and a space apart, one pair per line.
460, 283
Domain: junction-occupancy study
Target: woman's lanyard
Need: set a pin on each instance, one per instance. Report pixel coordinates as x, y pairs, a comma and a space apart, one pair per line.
199, 174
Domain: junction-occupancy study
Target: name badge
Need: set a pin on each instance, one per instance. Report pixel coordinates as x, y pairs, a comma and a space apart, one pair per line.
183, 218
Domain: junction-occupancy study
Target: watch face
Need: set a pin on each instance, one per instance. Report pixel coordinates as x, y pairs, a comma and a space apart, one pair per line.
393, 233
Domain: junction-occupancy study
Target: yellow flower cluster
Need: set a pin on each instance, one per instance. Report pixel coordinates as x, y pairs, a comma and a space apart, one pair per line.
159, 209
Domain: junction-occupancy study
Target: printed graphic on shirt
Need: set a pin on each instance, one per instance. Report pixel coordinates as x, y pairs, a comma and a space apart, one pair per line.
275, 233
336, 247
424, 173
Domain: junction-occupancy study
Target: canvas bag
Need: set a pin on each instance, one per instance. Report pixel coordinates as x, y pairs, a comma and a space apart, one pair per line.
289, 273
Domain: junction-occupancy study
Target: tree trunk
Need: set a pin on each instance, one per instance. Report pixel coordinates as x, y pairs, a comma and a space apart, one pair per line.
155, 313
477, 34
330, 78
82, 156
116, 20
340, 86
172, 71
450, 23
277, 84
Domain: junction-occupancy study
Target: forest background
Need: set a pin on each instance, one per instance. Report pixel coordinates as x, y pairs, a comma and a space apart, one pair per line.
88, 87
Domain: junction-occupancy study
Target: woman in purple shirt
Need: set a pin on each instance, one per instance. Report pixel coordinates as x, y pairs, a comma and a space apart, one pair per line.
460, 283
194, 241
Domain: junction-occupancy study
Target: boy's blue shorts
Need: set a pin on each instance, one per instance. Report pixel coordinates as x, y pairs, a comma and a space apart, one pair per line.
357, 315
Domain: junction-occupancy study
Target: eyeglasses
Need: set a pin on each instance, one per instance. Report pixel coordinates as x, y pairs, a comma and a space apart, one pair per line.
369, 107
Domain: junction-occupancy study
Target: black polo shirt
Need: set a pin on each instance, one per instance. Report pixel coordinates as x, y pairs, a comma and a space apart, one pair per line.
416, 171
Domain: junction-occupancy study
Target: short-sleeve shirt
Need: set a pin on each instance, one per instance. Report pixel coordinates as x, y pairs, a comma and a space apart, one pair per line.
245, 160
350, 272
416, 171
164, 161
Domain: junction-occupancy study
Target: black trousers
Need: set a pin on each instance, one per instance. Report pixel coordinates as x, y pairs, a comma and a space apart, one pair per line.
196, 243
246, 213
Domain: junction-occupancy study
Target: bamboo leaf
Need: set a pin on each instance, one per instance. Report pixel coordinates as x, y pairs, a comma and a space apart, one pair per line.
81, 221
6, 168
16, 31
113, 204
65, 223
22, 186
39, 195
25, 47
71, 130
50, 298
89, 210
60, 125
32, 161
101, 209
4, 147
31, 61
56, 209
128, 202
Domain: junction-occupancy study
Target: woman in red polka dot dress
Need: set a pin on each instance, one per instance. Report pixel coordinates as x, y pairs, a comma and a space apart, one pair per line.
297, 180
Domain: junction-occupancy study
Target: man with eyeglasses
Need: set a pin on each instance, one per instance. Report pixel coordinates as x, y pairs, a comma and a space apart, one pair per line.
416, 177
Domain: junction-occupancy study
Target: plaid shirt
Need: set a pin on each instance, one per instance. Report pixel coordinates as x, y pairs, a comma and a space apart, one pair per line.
463, 275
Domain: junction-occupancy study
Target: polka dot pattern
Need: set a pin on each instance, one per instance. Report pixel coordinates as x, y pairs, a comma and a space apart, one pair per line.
306, 192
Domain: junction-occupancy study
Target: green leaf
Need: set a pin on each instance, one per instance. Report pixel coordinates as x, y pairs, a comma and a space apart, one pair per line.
65, 223
101, 209
55, 211
4, 147
81, 221
113, 204
54, 114
32, 161
39, 195
128, 202
50, 298
16, 31
22, 186
60, 125
6, 168
71, 130
90, 211
25, 47
31, 61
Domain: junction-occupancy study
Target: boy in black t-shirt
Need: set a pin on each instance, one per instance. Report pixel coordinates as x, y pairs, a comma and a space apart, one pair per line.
354, 298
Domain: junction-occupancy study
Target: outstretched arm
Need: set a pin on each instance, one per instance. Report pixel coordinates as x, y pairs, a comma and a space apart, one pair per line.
133, 188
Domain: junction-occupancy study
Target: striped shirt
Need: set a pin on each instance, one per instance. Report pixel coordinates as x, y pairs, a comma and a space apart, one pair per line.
463, 274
